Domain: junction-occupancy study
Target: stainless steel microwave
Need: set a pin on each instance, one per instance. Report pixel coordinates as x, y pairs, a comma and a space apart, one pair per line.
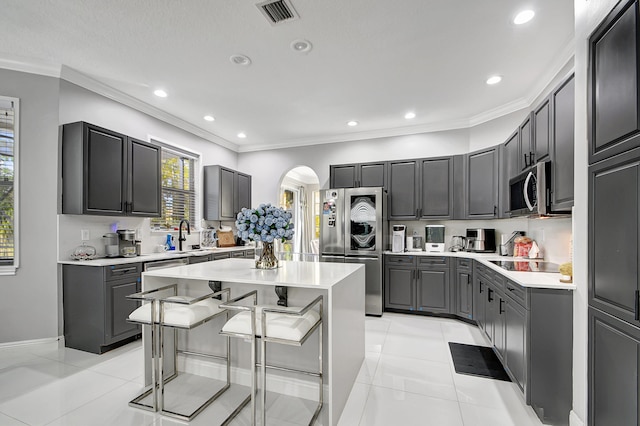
529, 192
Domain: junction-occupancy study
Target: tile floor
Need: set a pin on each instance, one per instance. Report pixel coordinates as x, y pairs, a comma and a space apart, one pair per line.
407, 379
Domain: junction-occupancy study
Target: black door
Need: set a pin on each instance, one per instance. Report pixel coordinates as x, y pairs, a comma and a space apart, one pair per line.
437, 188
563, 101
482, 184
144, 179
343, 176
403, 181
372, 175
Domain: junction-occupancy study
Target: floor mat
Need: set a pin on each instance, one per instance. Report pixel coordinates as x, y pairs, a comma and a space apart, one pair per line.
477, 361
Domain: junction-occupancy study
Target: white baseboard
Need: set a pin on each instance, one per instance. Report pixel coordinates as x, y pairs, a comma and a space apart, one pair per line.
574, 420
32, 342
280, 382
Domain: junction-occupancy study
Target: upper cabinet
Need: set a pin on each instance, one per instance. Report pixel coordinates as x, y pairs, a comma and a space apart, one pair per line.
421, 189
541, 118
526, 143
108, 173
562, 102
613, 98
481, 184
358, 175
226, 192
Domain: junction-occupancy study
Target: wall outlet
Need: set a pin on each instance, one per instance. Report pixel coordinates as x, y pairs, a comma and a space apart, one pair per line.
84, 234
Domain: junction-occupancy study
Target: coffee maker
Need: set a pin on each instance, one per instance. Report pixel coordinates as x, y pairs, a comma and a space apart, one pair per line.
398, 238
111, 248
127, 242
481, 240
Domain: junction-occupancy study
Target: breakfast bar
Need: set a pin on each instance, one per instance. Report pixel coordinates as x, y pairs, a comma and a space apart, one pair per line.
343, 289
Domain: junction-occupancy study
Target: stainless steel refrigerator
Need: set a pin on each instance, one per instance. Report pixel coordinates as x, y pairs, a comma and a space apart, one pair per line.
353, 229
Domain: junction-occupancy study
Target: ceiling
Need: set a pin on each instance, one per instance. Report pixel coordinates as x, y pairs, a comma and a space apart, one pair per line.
372, 61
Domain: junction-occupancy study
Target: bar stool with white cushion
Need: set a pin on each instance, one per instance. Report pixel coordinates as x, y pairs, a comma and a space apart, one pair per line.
275, 324
175, 312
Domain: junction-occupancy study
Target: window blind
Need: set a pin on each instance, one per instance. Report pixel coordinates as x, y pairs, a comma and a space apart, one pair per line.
7, 177
178, 189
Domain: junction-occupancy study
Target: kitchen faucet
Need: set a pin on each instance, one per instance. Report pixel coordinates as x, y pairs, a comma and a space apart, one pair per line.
182, 238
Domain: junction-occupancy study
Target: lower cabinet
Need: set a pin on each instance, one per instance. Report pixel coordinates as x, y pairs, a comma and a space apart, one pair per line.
531, 332
415, 283
614, 360
463, 279
95, 307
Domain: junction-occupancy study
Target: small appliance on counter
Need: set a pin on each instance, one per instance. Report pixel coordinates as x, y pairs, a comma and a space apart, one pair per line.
481, 240
398, 238
111, 246
458, 243
127, 242
414, 242
435, 238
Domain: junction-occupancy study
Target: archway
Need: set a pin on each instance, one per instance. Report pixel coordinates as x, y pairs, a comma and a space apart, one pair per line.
299, 194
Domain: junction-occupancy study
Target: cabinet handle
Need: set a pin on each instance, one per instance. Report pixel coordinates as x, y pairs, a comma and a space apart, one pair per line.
510, 288
637, 305
495, 210
480, 286
526, 161
489, 298
500, 310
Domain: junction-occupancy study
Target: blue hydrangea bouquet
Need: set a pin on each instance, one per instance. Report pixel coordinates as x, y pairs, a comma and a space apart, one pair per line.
266, 223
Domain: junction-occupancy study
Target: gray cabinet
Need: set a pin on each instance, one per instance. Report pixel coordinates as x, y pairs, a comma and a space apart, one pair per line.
403, 190
482, 184
417, 283
613, 97
108, 173
199, 259
226, 192
562, 142
530, 330
614, 375
463, 279
95, 307
541, 118
614, 217
358, 175
436, 188
421, 189
526, 143
433, 285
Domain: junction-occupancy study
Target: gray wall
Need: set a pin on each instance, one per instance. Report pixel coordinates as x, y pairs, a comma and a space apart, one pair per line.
29, 300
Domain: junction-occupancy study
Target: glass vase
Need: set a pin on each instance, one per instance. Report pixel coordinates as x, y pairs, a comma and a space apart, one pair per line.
267, 259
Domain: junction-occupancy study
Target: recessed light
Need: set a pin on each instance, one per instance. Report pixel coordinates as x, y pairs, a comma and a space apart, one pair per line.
494, 79
160, 93
243, 60
209, 118
242, 135
410, 115
524, 17
301, 45
352, 123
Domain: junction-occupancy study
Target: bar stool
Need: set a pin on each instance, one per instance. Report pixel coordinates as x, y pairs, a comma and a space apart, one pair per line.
177, 313
274, 324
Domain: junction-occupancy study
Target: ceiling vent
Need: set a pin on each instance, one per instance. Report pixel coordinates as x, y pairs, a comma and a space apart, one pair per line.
278, 11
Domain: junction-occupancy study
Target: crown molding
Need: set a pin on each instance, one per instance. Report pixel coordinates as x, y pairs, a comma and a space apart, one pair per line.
356, 136
29, 65
76, 77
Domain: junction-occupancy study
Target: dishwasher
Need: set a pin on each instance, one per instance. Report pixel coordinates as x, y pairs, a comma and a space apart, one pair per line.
161, 264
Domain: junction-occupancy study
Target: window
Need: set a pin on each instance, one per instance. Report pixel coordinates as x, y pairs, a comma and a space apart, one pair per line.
178, 189
8, 185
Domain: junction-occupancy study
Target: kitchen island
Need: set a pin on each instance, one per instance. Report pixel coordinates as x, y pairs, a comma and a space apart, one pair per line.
343, 288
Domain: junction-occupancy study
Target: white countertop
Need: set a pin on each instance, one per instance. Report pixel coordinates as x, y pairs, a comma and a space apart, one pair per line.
525, 279
289, 274
150, 257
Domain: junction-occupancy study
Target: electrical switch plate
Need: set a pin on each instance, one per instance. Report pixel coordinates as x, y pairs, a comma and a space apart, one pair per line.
84, 234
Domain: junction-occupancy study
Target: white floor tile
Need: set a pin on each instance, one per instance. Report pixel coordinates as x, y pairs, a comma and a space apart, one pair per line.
352, 412
386, 407
516, 415
127, 366
415, 375
412, 346
421, 326
374, 341
461, 332
109, 409
9, 421
54, 397
368, 369
377, 324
